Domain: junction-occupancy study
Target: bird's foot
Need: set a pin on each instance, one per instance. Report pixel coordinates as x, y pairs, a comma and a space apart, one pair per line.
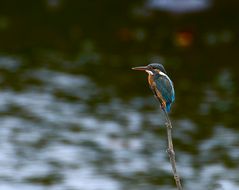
168, 124
170, 152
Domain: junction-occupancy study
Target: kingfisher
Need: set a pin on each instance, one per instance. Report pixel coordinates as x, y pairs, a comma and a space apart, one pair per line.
160, 84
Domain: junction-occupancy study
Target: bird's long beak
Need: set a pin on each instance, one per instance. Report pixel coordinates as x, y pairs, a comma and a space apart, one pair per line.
141, 68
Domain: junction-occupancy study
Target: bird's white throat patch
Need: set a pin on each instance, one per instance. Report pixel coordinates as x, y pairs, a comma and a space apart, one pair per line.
149, 72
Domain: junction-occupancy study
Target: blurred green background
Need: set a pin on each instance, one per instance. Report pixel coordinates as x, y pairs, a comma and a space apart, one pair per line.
74, 116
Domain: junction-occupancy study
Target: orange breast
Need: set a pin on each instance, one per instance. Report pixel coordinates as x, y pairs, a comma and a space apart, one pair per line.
150, 80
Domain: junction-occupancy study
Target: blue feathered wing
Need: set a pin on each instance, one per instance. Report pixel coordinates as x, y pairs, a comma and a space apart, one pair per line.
165, 86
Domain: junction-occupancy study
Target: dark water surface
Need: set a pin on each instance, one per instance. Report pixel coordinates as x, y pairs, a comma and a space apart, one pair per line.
74, 116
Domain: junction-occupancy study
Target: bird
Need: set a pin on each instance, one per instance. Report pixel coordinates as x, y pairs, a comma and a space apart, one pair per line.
160, 84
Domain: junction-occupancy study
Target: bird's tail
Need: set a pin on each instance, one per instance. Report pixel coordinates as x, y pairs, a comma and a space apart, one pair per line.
168, 106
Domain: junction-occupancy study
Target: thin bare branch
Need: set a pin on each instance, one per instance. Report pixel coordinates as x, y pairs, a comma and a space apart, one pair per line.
171, 152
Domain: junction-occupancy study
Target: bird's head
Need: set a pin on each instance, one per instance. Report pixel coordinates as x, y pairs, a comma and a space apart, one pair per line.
151, 68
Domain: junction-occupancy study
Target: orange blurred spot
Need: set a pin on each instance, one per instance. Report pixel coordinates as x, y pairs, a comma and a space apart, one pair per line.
125, 34
184, 39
